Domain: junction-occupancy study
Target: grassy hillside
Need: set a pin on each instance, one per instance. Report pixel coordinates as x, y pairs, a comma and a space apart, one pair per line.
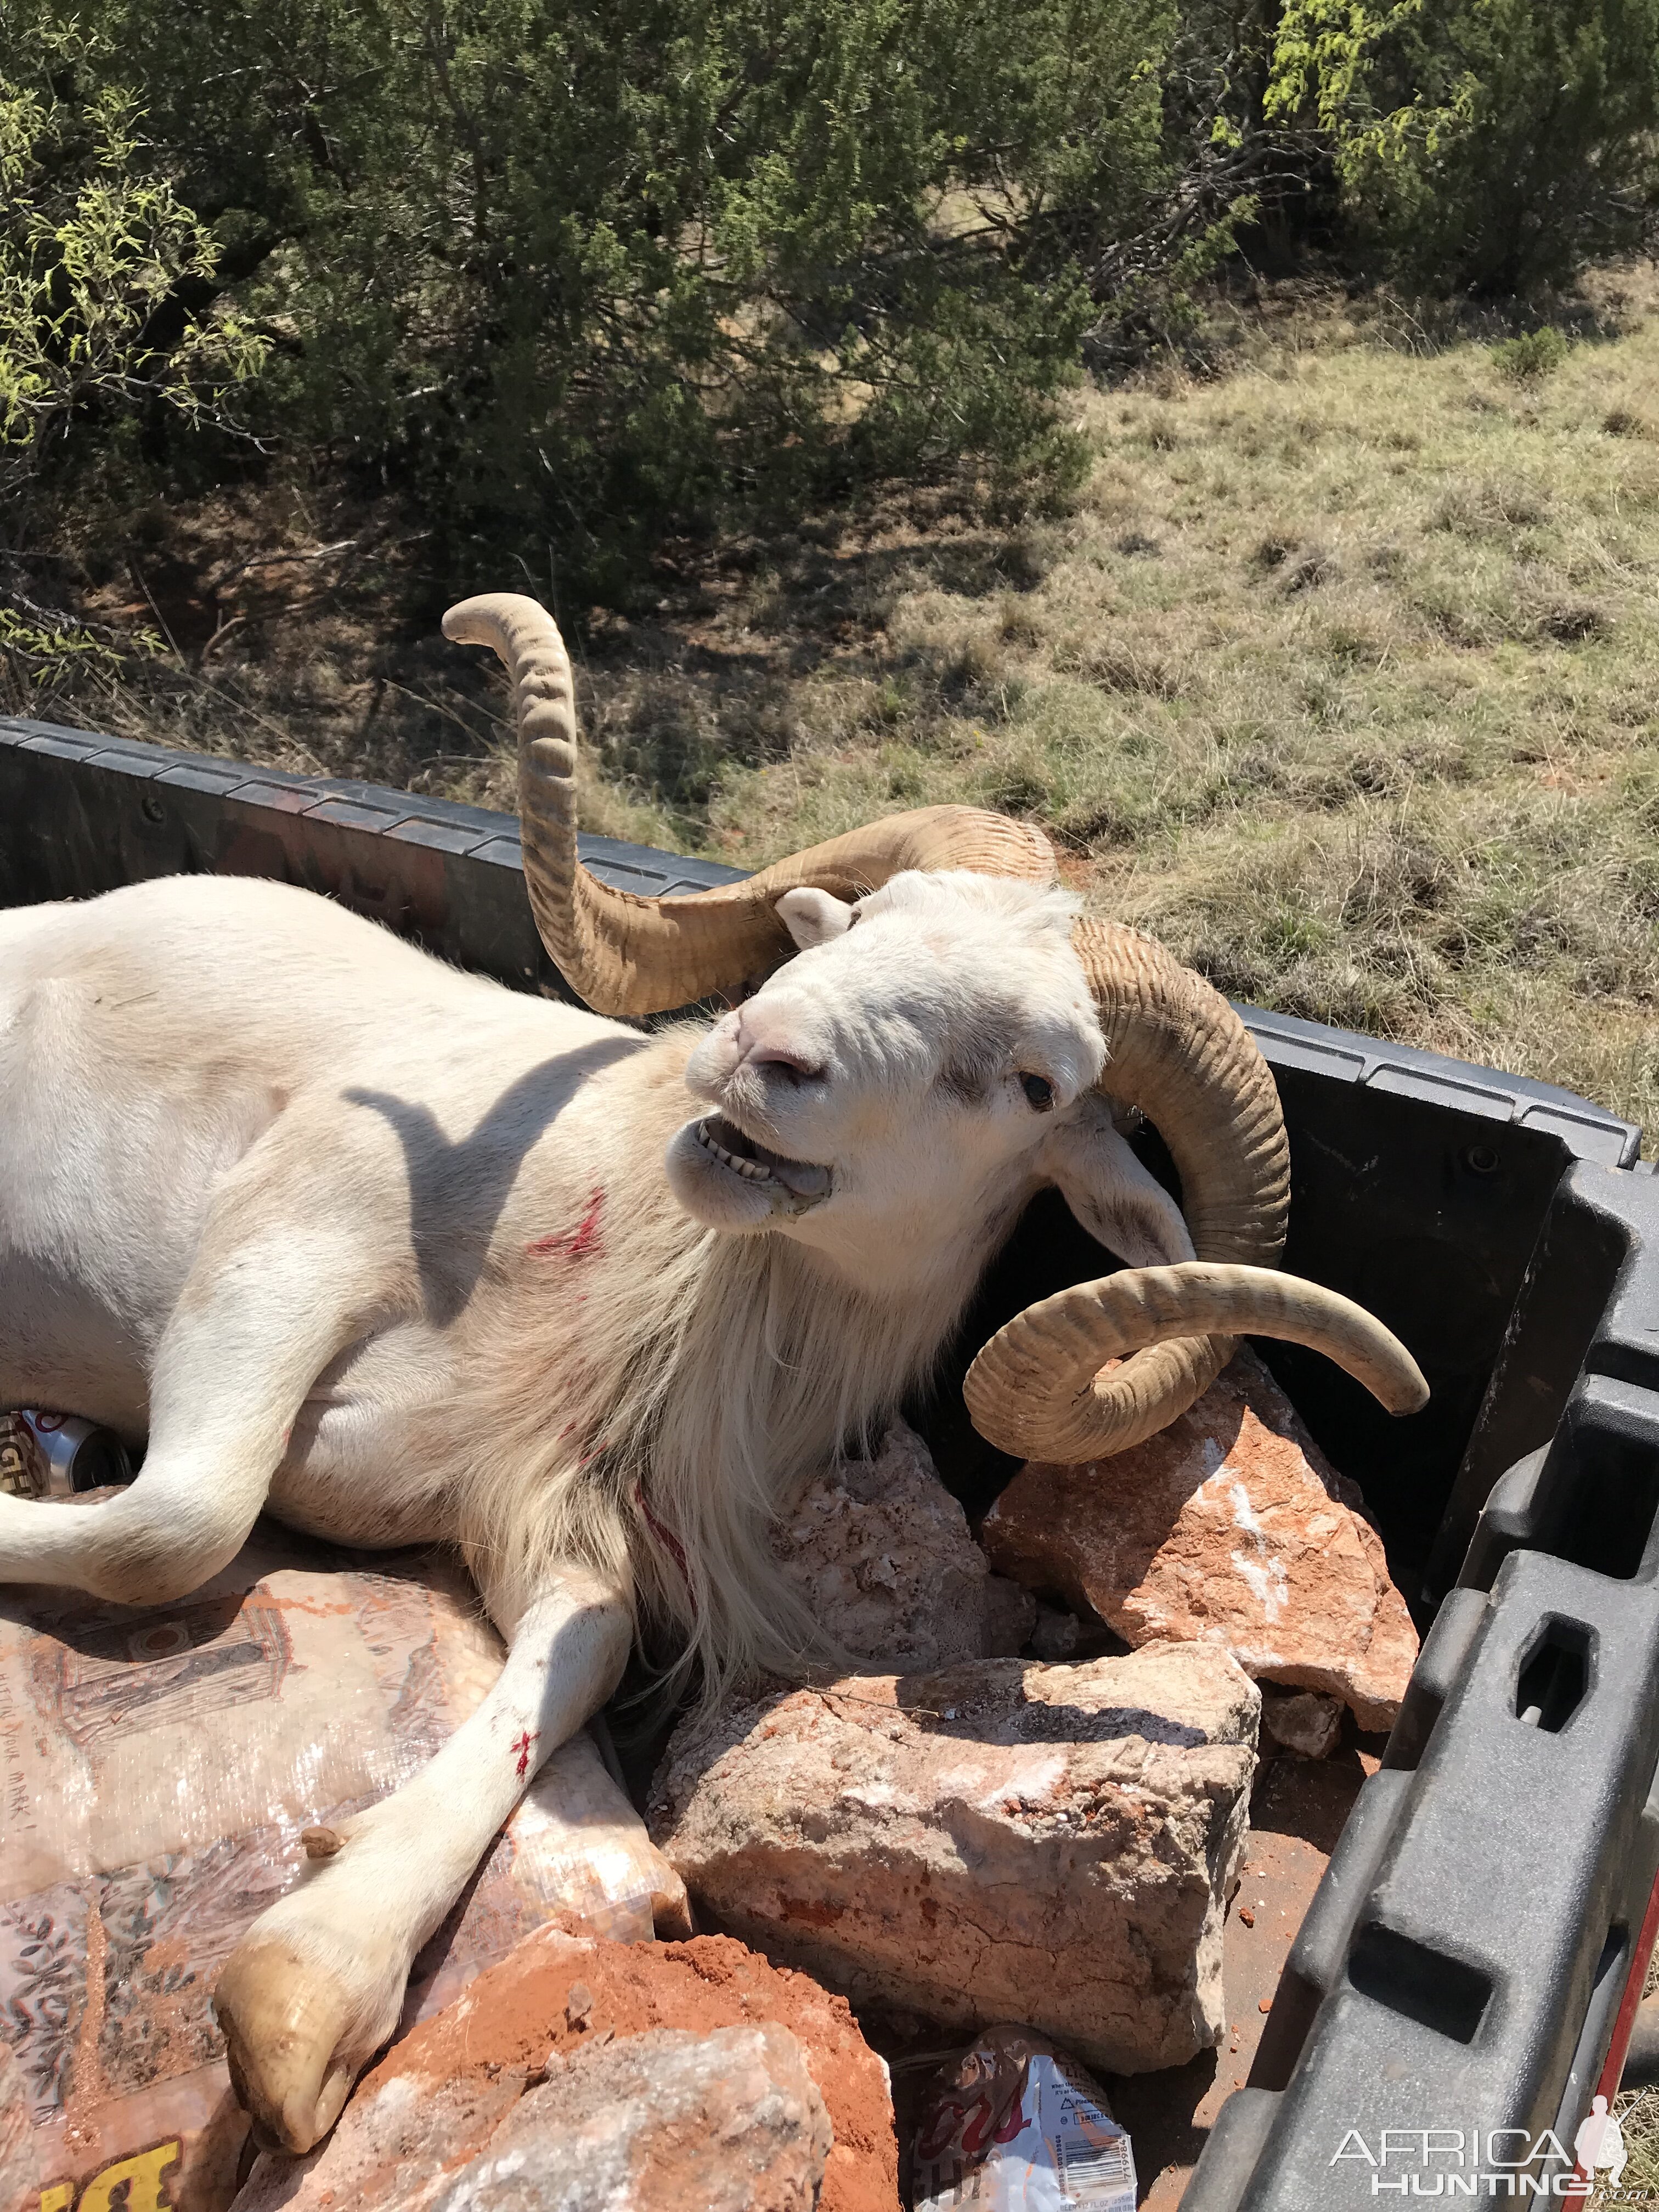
1342, 675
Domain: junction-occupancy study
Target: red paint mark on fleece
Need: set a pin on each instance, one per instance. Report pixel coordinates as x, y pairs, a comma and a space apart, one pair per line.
585, 1242
522, 1747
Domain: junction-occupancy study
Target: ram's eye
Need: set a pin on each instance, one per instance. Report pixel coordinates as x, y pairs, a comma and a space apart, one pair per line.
1039, 1090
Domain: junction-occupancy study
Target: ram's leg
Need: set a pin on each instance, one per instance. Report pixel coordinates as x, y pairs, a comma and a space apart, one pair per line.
317, 1983
260, 1315
580, 1791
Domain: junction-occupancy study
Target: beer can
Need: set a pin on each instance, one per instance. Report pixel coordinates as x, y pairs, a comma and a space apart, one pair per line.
47, 1455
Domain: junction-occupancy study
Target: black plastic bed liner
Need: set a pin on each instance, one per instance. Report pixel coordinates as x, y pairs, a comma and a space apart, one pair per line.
1486, 1911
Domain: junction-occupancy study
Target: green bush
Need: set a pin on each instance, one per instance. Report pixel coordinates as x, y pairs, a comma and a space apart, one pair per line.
579, 277
575, 280
1487, 145
1530, 357
94, 242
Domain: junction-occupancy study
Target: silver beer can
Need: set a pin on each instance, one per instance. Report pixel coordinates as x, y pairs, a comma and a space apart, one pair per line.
47, 1455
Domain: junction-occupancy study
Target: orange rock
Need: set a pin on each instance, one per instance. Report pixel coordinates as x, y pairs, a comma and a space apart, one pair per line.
442, 2094
1229, 1527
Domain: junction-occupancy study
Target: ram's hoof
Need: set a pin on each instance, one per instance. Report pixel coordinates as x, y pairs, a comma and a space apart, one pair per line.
283, 2018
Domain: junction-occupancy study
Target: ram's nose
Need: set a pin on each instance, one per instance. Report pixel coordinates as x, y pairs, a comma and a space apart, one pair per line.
769, 1040
766, 1046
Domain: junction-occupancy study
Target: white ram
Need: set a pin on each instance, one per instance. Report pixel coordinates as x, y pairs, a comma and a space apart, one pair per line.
404, 1256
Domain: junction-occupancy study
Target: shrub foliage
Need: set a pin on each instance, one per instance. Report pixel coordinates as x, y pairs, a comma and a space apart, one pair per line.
1487, 145
585, 274
96, 249
577, 278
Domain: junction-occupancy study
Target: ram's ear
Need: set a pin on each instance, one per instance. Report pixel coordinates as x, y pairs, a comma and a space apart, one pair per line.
812, 916
1120, 1204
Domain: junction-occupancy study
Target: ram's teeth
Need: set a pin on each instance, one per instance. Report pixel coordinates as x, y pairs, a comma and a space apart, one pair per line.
751, 1170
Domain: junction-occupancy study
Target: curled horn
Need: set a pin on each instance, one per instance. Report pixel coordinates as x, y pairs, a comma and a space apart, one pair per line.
627, 954
1176, 1050
1036, 1390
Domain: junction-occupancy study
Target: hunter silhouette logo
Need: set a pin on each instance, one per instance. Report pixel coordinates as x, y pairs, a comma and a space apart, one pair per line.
1600, 2144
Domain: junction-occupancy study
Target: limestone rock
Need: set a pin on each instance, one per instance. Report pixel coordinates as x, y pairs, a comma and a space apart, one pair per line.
730, 2121
1055, 1635
1301, 1721
398, 2143
881, 1553
1004, 1841
437, 2102
1229, 1527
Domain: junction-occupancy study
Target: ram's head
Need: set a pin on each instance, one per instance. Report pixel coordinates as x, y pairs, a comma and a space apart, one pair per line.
927, 1031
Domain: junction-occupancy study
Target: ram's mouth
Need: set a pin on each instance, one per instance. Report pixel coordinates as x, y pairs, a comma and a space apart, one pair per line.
794, 1185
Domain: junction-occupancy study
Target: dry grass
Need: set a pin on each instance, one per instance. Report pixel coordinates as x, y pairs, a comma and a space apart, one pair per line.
1638, 2120
1340, 677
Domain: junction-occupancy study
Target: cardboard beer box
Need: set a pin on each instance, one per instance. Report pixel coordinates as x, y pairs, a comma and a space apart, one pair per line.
156, 1770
